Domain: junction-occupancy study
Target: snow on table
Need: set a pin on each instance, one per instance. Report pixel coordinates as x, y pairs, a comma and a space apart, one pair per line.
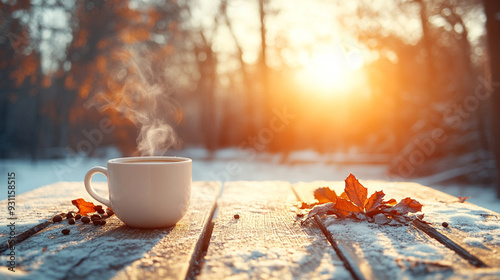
256, 234
103, 252
404, 252
265, 240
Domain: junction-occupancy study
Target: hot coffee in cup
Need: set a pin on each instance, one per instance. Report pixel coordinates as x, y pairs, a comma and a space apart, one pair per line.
146, 192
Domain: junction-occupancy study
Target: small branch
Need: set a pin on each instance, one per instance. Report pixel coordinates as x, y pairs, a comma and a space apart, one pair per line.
23, 236
349, 263
448, 243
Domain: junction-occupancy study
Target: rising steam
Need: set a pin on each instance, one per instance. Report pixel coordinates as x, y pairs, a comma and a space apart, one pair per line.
140, 90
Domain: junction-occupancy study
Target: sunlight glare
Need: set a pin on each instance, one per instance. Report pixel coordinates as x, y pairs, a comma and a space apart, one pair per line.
329, 72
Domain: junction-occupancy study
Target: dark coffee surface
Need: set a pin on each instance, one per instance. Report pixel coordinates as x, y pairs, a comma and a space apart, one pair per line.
151, 160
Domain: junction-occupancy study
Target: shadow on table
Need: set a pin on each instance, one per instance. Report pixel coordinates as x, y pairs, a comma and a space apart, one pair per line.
90, 252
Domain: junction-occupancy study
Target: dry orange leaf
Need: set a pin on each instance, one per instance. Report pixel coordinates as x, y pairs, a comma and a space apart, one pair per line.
345, 207
407, 205
306, 205
324, 195
463, 199
344, 196
390, 202
356, 192
374, 201
353, 202
84, 207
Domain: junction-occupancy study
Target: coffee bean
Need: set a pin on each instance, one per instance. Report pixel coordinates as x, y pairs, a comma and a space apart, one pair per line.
103, 222
445, 224
97, 222
85, 220
71, 221
236, 216
69, 215
65, 231
78, 216
98, 207
57, 218
100, 211
110, 212
96, 216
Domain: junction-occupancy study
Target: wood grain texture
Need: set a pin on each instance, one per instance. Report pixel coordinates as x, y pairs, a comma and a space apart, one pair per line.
466, 222
267, 241
111, 251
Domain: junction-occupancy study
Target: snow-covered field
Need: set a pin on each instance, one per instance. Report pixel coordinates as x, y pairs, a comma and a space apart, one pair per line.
232, 165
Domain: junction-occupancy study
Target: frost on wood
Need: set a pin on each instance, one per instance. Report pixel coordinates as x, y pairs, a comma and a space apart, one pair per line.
113, 251
404, 252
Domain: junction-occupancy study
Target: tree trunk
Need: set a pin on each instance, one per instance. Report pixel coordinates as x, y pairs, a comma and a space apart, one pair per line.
427, 40
264, 70
248, 90
492, 10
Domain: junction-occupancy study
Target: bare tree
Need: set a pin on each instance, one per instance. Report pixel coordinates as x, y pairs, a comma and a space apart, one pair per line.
206, 61
248, 88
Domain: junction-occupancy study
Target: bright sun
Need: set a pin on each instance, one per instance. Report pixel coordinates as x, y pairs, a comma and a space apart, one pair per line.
330, 72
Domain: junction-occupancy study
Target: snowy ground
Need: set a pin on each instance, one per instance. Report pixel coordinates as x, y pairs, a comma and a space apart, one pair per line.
233, 165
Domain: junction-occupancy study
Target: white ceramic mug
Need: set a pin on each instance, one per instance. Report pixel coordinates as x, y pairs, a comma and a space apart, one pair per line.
146, 192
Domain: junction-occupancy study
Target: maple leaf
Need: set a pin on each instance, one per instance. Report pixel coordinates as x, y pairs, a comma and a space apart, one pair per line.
323, 209
407, 205
356, 192
389, 202
344, 207
463, 199
374, 201
84, 207
353, 203
324, 195
304, 205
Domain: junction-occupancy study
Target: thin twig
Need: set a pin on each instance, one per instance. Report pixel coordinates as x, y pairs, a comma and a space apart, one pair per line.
349, 263
23, 236
448, 243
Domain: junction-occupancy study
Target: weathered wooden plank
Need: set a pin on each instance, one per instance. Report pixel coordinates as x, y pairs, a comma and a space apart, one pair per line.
111, 251
474, 228
407, 252
267, 240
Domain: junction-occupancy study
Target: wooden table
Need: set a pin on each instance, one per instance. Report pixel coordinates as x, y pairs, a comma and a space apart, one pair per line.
267, 240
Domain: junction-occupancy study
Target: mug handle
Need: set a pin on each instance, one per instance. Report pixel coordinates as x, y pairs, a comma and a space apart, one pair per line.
90, 189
